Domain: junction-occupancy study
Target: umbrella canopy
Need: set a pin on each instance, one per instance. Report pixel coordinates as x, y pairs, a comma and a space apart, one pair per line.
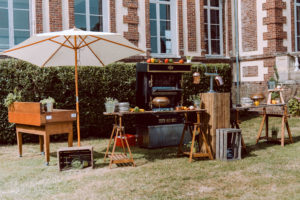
74, 47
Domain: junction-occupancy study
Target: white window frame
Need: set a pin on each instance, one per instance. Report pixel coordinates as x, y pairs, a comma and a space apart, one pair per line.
296, 25
174, 37
105, 13
11, 29
208, 8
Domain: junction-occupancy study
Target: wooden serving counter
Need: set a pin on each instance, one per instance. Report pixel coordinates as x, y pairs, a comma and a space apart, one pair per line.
30, 118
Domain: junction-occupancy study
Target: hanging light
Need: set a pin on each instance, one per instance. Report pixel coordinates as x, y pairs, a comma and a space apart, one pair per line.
196, 77
296, 64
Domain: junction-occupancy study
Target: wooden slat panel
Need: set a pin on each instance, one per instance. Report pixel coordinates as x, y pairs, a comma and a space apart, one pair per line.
217, 106
25, 118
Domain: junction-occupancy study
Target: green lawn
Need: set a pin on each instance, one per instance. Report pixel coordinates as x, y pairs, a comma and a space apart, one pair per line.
267, 171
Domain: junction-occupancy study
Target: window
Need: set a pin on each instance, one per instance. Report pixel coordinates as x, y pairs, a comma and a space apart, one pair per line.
14, 23
213, 27
91, 15
297, 25
162, 28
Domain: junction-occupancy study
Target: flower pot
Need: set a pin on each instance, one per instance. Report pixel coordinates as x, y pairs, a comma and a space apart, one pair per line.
109, 107
197, 103
271, 85
49, 107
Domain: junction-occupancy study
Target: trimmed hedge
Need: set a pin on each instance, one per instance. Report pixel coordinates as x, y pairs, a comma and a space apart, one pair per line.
95, 83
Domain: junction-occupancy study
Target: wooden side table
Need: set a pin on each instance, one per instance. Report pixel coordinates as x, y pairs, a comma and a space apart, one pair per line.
118, 131
196, 128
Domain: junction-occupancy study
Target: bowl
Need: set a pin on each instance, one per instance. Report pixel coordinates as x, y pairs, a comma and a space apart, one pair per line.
161, 102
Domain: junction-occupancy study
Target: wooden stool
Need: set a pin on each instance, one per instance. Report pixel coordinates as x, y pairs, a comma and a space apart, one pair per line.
118, 130
270, 95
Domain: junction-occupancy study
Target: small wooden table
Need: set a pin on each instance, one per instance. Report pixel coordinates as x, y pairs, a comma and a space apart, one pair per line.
118, 130
265, 119
30, 118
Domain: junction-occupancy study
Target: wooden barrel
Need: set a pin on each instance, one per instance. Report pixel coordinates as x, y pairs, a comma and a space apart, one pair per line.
217, 115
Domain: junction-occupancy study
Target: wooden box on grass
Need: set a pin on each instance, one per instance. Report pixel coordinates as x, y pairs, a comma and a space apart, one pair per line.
228, 144
66, 155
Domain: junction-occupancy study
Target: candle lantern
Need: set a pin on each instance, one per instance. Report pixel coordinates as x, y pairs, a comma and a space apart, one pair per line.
196, 77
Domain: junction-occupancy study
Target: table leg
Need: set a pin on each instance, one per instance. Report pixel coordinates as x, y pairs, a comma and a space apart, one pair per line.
182, 134
114, 147
47, 148
267, 127
288, 130
282, 130
70, 138
111, 136
261, 125
19, 141
41, 141
193, 141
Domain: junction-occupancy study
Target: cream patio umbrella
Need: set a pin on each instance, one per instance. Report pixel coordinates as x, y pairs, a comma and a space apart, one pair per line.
63, 48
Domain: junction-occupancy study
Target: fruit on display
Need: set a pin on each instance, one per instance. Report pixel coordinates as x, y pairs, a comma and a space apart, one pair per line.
166, 60
181, 61
152, 60
170, 60
149, 60
136, 109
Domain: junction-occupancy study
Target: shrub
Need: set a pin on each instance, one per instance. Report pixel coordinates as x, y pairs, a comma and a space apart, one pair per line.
294, 106
95, 84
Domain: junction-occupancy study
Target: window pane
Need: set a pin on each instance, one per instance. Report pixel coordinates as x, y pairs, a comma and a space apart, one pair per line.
96, 23
153, 30
79, 6
298, 12
298, 43
4, 41
215, 32
20, 36
214, 17
206, 31
206, 46
214, 3
153, 44
152, 11
22, 4
215, 47
3, 3
163, 45
21, 19
205, 2
96, 7
164, 26
164, 11
80, 21
4, 18
298, 1
298, 28
205, 16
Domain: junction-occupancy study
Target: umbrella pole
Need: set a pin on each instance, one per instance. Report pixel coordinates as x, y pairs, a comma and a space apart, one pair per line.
76, 88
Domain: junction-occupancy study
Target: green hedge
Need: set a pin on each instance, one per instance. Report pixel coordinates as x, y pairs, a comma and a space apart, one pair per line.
95, 83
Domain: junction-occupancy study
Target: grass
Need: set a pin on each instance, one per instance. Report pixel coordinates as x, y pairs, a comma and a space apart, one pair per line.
267, 171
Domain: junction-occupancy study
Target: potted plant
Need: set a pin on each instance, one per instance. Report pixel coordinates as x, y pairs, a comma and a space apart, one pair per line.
275, 98
189, 59
11, 98
110, 104
271, 83
196, 100
48, 103
274, 132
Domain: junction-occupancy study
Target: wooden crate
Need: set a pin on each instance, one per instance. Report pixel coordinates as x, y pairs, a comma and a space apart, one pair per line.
67, 155
217, 115
228, 141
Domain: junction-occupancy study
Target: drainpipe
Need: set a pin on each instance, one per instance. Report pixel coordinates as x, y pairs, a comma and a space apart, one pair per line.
237, 52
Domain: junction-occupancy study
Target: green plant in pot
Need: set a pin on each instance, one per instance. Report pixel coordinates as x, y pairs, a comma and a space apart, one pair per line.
189, 59
110, 104
48, 103
196, 100
11, 98
271, 83
274, 131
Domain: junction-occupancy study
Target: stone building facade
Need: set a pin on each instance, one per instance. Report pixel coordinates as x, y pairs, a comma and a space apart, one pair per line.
268, 31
